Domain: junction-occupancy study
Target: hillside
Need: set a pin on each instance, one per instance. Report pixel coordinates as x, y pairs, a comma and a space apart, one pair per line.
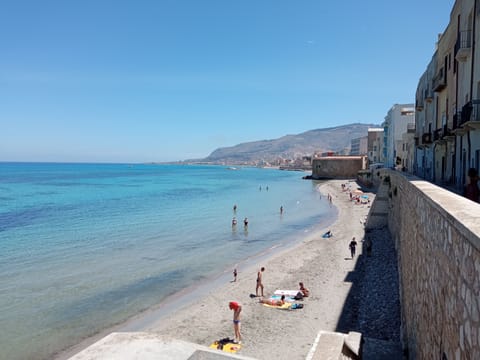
291, 146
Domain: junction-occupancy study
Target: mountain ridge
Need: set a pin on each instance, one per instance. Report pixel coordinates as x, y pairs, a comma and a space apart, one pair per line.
291, 146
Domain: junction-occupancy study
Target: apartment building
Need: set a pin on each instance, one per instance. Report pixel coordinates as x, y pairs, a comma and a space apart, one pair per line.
447, 102
375, 145
394, 126
359, 146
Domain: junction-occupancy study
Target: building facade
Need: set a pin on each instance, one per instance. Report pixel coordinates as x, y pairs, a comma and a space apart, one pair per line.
394, 126
359, 146
448, 102
375, 146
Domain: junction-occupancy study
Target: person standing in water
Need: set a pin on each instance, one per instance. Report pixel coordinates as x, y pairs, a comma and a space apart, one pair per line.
245, 222
281, 210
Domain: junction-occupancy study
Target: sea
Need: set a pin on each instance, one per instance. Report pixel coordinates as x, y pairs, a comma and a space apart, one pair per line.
84, 247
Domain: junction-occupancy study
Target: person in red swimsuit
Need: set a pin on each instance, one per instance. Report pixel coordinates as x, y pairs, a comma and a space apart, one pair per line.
237, 308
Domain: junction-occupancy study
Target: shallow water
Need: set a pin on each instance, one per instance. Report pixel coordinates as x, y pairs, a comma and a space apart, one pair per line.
87, 246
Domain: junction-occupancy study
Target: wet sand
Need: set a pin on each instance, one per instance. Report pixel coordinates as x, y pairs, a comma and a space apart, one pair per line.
323, 264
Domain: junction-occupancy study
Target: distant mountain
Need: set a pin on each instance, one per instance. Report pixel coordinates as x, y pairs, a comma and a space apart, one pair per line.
337, 139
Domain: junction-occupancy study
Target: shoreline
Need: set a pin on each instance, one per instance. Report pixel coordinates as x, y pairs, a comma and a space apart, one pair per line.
201, 314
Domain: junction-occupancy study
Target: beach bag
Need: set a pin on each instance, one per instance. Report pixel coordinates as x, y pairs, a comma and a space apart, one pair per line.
299, 296
297, 306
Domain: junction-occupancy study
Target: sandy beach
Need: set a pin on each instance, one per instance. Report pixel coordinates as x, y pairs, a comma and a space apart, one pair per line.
322, 264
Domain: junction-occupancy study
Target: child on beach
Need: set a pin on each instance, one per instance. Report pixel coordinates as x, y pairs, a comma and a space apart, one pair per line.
259, 281
237, 308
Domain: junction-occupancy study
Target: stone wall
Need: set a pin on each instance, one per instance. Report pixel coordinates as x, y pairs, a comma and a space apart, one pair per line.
437, 237
340, 167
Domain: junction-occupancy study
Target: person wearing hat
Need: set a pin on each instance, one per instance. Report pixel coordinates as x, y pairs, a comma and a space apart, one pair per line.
237, 308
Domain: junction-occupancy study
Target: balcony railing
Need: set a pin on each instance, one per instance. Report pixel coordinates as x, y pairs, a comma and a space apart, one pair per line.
439, 82
427, 138
446, 132
457, 117
463, 45
419, 104
470, 112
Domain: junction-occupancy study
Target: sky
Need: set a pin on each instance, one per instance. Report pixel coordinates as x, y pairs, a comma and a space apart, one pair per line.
166, 80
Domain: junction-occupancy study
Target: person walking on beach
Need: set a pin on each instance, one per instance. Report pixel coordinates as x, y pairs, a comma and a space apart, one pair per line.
353, 246
237, 308
234, 275
259, 281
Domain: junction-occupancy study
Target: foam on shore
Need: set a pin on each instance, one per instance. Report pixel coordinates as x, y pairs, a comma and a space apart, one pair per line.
200, 314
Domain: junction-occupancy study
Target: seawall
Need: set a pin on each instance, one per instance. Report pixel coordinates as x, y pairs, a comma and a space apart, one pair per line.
437, 238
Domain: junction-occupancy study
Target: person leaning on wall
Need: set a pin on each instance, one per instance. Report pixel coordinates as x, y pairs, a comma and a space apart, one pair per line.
471, 190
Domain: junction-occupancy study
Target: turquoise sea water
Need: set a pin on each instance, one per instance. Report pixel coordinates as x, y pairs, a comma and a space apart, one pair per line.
86, 246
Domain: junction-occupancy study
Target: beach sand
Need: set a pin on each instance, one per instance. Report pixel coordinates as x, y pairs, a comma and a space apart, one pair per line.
323, 264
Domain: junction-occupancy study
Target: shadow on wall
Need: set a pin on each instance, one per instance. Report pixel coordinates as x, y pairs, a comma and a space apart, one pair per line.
372, 306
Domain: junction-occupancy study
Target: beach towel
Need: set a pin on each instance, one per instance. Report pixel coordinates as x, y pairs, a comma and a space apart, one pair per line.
285, 306
226, 344
291, 293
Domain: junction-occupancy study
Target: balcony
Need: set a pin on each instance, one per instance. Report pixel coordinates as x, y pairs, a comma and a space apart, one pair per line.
427, 138
470, 116
456, 120
411, 128
463, 45
467, 110
428, 95
447, 133
439, 82
419, 105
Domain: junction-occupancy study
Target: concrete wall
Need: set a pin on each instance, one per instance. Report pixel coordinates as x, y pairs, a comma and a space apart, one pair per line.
437, 236
331, 167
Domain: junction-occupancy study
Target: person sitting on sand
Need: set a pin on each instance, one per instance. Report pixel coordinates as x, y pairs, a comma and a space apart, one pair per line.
305, 292
273, 302
328, 234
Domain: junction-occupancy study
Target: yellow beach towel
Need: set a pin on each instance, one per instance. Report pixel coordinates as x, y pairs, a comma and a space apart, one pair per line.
285, 306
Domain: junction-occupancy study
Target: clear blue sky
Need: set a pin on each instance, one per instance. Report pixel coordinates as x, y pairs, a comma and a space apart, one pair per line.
161, 80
